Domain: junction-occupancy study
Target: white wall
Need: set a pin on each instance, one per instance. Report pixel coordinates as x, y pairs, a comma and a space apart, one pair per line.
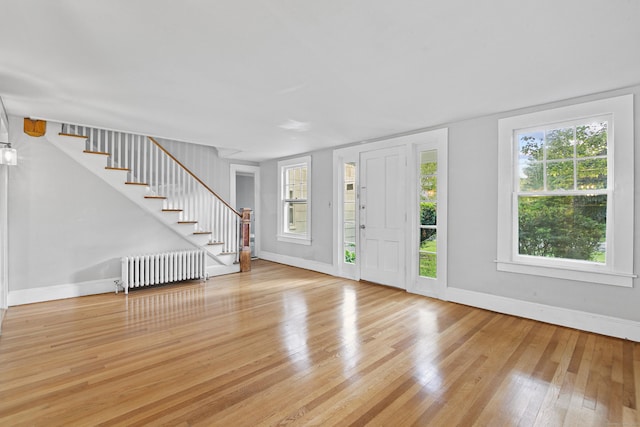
66, 226
472, 241
205, 162
4, 259
244, 192
473, 148
321, 248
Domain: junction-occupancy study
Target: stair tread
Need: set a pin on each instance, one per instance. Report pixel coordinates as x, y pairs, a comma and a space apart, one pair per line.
136, 183
111, 168
72, 135
155, 197
102, 153
215, 243
187, 222
202, 232
171, 210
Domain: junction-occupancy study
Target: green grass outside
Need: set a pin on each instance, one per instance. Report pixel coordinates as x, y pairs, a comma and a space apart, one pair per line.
428, 259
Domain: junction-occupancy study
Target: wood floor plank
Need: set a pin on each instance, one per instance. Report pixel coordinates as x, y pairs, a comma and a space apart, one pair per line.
284, 346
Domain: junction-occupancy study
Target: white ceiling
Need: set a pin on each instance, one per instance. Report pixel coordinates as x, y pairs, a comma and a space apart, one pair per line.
264, 79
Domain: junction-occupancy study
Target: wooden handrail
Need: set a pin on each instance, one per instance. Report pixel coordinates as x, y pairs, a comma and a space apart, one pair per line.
194, 176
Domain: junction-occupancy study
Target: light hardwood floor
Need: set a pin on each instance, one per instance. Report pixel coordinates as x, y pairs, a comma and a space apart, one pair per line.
280, 345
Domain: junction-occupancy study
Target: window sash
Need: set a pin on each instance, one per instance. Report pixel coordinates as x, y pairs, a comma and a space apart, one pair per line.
294, 181
618, 269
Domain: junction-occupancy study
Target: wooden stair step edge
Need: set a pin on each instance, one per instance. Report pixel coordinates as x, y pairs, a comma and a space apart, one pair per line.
136, 183
202, 232
187, 222
72, 135
113, 168
215, 243
171, 210
227, 253
155, 197
102, 153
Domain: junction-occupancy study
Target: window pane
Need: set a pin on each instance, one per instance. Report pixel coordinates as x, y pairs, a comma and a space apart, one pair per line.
296, 183
350, 253
571, 227
428, 239
427, 254
592, 174
560, 175
349, 193
296, 214
428, 213
559, 143
428, 265
429, 188
349, 213
531, 147
591, 139
350, 232
532, 176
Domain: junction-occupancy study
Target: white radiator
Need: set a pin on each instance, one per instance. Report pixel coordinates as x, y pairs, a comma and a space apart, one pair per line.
155, 269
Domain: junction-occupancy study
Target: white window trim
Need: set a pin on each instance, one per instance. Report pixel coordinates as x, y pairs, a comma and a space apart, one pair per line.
618, 270
283, 236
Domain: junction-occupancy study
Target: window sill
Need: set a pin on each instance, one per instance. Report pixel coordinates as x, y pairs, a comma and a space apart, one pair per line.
603, 278
297, 240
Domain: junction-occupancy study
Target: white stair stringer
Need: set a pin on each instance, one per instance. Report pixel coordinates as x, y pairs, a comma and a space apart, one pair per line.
218, 263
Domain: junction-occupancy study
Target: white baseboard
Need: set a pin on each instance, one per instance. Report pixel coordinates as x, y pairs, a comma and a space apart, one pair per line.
49, 293
93, 287
220, 270
600, 324
320, 267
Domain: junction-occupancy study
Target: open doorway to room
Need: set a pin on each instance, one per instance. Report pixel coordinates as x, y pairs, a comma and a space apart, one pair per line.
245, 193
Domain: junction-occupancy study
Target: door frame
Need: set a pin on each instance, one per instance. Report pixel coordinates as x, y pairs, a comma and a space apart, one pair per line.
437, 138
234, 168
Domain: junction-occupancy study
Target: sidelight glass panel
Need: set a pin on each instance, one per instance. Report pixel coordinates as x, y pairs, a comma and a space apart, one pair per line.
349, 212
427, 252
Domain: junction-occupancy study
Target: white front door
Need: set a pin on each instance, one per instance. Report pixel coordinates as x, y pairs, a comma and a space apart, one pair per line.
382, 216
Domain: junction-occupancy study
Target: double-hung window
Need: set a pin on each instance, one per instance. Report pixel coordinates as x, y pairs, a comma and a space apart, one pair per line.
565, 204
294, 212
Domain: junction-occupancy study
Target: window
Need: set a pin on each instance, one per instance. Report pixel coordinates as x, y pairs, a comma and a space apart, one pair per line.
349, 213
294, 214
427, 266
566, 192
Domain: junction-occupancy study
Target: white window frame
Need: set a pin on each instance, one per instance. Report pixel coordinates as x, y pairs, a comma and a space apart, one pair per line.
618, 270
283, 166
431, 286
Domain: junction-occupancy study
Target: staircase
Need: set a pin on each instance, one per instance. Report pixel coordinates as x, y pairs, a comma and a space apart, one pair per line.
141, 169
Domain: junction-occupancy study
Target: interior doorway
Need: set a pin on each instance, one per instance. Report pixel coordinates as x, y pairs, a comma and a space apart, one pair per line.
245, 193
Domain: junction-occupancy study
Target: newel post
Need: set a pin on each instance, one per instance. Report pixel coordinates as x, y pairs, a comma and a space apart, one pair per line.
245, 252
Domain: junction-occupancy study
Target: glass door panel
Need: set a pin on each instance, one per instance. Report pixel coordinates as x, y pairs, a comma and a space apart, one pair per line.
427, 252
